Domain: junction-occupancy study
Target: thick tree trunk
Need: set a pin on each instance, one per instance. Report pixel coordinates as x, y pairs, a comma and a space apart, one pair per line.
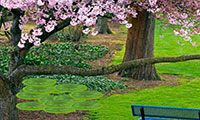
16, 58
8, 88
8, 101
102, 26
140, 44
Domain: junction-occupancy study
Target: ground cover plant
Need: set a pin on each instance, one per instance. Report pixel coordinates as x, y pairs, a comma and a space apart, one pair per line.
97, 83
61, 54
66, 54
52, 98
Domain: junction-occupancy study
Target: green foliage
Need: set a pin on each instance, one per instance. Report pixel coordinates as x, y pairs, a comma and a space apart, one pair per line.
97, 83
29, 96
38, 90
39, 82
65, 54
59, 110
59, 54
70, 87
68, 97
4, 58
45, 98
118, 106
69, 51
87, 95
59, 103
30, 106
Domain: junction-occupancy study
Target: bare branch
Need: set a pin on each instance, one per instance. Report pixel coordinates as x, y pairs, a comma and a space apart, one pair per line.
55, 69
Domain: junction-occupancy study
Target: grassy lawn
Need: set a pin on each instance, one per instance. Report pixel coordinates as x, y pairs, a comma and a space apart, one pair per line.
117, 107
168, 46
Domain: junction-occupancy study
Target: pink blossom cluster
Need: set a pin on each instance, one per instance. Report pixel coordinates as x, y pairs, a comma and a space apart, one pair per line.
48, 12
183, 14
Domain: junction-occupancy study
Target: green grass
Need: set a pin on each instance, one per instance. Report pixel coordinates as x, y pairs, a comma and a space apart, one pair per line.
168, 46
118, 56
118, 107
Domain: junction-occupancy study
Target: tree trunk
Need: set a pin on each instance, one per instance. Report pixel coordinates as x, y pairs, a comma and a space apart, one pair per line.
8, 101
102, 26
140, 44
16, 58
8, 88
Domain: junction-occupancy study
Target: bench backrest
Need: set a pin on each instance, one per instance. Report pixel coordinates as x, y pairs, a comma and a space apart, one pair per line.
166, 112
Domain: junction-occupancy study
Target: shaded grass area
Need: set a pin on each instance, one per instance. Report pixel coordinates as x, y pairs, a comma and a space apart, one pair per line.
118, 107
168, 46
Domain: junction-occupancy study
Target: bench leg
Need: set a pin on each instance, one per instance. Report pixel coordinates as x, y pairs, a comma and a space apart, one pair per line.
199, 115
142, 113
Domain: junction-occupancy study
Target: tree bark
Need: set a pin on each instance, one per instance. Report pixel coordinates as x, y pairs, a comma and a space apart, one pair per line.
8, 101
9, 87
140, 44
102, 26
16, 58
25, 70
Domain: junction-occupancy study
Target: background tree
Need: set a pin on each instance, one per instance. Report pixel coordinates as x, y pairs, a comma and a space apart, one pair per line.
51, 16
102, 26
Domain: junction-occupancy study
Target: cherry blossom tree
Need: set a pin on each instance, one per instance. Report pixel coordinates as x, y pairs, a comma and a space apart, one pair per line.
140, 38
51, 16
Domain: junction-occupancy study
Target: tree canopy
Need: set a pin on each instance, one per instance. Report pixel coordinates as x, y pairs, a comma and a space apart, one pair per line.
50, 15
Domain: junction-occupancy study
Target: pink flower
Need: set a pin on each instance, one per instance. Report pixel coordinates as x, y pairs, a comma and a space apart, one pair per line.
24, 36
30, 40
86, 31
41, 22
129, 25
37, 32
63, 16
37, 43
50, 26
94, 32
194, 44
40, 3
20, 45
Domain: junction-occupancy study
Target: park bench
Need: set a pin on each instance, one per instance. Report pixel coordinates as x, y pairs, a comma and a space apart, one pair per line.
164, 112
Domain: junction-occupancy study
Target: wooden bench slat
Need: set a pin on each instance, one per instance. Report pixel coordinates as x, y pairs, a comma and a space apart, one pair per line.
166, 112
